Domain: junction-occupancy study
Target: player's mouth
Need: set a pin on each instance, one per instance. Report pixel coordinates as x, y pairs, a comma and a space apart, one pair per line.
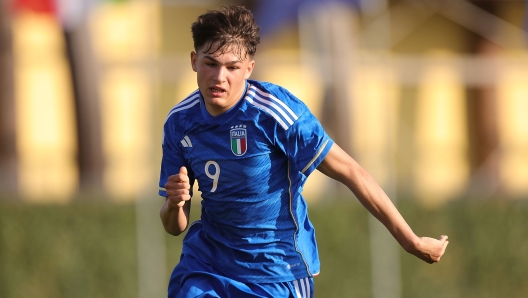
216, 91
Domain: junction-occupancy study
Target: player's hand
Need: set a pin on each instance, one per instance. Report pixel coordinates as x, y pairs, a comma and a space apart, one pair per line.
178, 188
430, 249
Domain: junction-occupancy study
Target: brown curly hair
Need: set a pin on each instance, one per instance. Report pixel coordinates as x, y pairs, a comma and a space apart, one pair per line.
228, 28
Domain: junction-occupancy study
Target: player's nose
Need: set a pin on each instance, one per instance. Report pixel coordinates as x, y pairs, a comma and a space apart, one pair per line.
219, 74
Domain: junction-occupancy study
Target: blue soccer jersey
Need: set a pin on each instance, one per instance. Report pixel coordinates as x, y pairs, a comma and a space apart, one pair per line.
250, 163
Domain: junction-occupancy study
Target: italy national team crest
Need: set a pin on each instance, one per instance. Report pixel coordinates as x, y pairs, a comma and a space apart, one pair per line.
238, 140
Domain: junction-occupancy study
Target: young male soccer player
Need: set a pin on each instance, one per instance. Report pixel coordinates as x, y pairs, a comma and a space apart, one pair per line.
251, 145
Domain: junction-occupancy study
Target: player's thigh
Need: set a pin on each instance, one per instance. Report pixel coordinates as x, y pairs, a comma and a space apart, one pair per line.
208, 285
204, 284
195, 278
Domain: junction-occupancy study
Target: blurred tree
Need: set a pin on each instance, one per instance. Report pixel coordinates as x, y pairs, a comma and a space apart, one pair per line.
73, 18
83, 69
8, 181
482, 118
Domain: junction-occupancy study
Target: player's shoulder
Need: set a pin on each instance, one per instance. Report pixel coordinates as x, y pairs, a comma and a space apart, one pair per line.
275, 93
186, 108
276, 101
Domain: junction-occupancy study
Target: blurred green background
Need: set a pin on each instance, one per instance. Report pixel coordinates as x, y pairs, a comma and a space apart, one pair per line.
96, 255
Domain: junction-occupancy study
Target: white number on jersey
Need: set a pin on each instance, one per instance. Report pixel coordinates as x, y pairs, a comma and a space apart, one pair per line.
214, 176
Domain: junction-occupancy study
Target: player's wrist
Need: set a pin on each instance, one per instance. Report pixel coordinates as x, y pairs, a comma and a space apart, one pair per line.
412, 244
175, 205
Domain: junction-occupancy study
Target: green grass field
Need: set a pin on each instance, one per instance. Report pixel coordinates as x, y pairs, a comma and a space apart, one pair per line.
89, 250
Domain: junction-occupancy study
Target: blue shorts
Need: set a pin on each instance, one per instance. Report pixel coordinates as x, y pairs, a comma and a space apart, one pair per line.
194, 278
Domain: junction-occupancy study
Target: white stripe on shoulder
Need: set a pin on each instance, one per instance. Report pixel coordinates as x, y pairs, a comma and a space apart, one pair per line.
275, 99
185, 104
267, 102
277, 117
186, 100
271, 104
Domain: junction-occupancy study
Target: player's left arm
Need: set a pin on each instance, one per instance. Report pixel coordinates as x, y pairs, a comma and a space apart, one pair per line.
340, 166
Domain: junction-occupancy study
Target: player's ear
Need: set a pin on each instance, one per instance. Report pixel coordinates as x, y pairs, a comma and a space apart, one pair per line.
194, 58
249, 69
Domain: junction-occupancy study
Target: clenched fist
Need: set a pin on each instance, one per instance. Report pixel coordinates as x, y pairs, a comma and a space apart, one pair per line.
178, 188
431, 250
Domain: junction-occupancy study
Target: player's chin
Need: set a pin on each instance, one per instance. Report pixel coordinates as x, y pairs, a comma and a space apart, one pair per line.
218, 104
215, 101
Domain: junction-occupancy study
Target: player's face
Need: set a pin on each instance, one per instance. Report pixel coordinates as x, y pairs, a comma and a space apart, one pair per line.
221, 78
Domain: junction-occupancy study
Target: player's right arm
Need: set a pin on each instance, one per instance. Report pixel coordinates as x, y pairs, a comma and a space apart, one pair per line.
175, 212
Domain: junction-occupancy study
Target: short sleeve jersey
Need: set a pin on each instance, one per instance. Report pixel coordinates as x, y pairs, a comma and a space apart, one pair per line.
250, 163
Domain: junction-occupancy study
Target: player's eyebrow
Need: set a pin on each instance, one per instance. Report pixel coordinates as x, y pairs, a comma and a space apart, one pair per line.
216, 61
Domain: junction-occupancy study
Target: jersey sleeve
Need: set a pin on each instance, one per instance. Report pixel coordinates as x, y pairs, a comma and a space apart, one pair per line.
172, 159
305, 143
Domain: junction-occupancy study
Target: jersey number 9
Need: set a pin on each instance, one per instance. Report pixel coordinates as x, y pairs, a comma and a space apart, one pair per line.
214, 176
